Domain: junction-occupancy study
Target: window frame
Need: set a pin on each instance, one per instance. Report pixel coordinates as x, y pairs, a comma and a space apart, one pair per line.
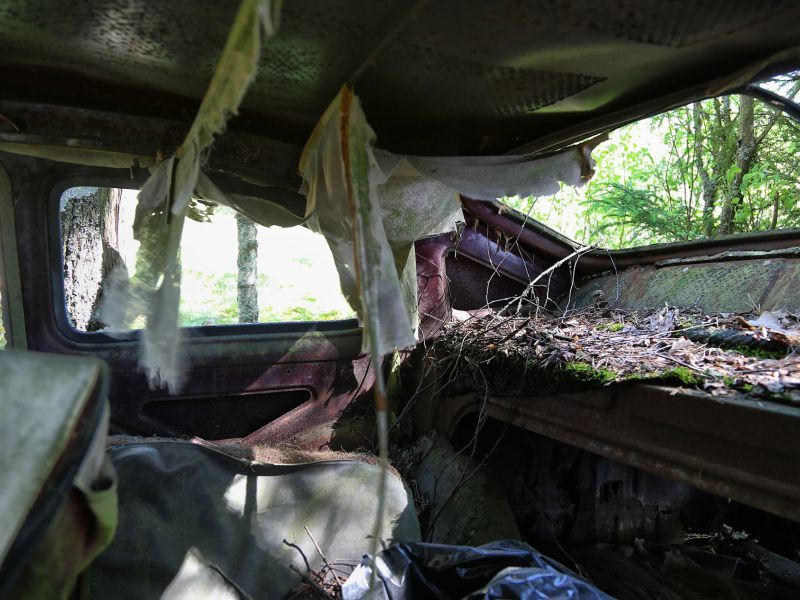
714, 244
203, 331
754, 90
12, 314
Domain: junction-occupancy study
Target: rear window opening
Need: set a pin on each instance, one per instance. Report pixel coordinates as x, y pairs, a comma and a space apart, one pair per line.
233, 270
716, 167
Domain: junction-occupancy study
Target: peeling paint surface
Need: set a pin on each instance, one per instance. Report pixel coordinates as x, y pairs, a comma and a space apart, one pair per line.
734, 286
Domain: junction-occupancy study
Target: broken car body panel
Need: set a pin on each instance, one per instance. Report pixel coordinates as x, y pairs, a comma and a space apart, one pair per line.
99, 95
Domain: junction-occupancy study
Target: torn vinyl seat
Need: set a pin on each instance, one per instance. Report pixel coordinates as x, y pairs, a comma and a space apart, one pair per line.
58, 506
197, 522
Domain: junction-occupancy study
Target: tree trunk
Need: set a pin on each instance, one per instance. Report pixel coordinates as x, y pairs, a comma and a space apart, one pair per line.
745, 151
111, 259
247, 264
90, 249
776, 203
709, 184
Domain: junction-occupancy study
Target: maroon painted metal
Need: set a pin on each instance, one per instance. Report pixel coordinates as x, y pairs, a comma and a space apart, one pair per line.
325, 360
434, 302
549, 245
312, 424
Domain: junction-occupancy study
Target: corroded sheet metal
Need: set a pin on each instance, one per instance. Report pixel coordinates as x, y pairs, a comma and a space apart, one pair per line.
733, 286
732, 446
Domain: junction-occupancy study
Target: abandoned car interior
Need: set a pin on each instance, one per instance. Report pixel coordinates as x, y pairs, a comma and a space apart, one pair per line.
400, 299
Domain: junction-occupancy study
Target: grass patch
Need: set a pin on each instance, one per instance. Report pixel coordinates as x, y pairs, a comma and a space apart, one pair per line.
586, 373
680, 375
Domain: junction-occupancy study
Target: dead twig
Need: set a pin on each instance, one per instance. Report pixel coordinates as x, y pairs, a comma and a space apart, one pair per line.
322, 556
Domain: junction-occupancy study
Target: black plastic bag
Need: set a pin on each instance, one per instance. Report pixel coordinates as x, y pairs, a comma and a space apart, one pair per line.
505, 569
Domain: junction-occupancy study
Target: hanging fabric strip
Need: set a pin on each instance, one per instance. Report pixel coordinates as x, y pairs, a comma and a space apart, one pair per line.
342, 177
372, 211
154, 290
372, 220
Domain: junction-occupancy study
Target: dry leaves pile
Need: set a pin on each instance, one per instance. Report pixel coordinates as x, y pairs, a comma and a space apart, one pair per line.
720, 353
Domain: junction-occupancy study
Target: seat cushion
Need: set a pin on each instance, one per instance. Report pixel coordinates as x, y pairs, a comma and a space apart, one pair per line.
195, 521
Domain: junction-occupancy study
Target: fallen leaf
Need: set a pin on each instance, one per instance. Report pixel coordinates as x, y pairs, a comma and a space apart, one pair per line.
680, 344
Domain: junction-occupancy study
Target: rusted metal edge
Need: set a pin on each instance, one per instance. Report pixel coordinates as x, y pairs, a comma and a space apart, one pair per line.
735, 447
548, 243
731, 255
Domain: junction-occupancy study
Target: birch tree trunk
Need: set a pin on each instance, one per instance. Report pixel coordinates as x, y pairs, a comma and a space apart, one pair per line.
247, 265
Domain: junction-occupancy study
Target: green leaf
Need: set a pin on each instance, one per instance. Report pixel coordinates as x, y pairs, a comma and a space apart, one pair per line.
732, 171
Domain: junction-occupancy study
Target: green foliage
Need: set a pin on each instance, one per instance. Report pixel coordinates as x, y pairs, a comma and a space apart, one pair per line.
584, 372
211, 300
685, 175
682, 375
200, 210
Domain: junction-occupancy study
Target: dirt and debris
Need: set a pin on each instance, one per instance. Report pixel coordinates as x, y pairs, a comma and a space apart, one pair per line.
544, 352
723, 564
319, 585
463, 502
324, 583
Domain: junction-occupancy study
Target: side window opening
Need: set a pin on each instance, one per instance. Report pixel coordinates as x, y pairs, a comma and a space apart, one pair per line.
233, 270
715, 167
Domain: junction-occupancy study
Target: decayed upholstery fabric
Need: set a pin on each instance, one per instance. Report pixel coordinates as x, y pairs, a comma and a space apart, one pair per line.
195, 521
58, 501
154, 290
371, 205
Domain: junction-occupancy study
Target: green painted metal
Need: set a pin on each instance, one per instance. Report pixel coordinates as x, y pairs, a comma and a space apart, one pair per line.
730, 286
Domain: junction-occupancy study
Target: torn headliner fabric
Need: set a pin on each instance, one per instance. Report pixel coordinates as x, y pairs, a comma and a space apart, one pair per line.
154, 289
398, 200
371, 206
341, 177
